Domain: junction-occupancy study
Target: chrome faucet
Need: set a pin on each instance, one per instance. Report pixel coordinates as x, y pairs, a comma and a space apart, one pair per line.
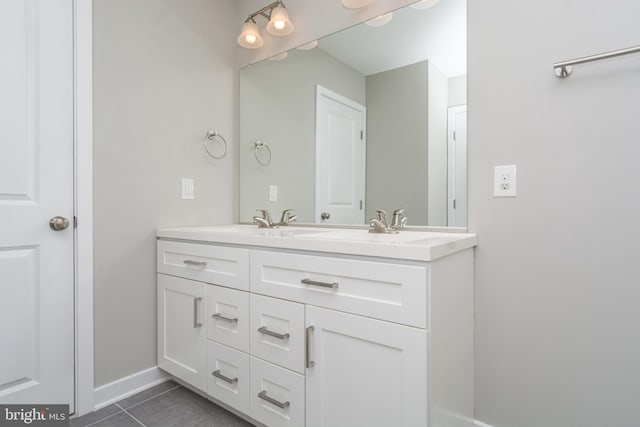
263, 221
287, 218
399, 219
379, 225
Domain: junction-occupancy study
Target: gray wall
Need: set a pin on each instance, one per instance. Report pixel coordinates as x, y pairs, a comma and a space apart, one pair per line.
164, 73
557, 286
397, 139
278, 106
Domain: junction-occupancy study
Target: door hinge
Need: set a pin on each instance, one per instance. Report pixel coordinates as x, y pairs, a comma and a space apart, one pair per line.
360, 204
454, 203
75, 221
361, 135
454, 135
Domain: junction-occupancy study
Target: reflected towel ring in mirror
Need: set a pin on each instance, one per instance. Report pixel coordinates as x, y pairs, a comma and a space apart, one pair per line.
210, 137
262, 147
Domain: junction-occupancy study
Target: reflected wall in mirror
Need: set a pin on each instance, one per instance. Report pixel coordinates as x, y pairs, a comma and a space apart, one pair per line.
373, 117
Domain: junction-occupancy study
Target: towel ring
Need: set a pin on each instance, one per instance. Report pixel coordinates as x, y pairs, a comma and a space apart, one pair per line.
210, 137
259, 146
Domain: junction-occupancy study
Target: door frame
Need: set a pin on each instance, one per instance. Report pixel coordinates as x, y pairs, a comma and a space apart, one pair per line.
83, 203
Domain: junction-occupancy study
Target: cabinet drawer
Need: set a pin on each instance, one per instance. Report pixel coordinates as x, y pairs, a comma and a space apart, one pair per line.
213, 264
277, 331
228, 317
228, 375
277, 395
387, 291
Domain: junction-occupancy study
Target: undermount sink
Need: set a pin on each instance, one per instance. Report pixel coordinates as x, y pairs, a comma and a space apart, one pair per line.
363, 235
252, 230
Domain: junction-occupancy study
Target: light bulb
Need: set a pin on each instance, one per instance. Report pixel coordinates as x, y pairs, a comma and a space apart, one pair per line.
279, 24
250, 36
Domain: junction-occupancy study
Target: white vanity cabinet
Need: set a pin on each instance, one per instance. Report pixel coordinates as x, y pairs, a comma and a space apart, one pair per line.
292, 338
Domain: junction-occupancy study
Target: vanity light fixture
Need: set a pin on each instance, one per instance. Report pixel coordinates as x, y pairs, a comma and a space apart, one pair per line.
279, 25
424, 4
356, 4
380, 20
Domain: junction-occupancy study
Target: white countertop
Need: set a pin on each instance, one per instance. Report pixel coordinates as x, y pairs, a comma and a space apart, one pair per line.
407, 245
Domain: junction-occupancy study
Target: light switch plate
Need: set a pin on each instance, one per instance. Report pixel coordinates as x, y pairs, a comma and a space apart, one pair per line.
188, 189
504, 181
273, 193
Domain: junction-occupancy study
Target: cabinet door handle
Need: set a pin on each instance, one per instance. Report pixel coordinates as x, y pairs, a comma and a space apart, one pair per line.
263, 395
332, 285
196, 324
195, 263
219, 316
307, 348
264, 330
224, 378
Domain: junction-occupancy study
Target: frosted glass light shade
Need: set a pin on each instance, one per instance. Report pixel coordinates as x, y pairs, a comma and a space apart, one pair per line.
309, 45
424, 4
279, 24
250, 36
356, 4
380, 20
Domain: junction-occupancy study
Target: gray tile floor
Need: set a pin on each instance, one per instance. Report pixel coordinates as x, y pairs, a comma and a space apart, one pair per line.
166, 405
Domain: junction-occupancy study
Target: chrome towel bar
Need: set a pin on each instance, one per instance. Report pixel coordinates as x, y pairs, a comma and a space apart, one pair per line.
563, 69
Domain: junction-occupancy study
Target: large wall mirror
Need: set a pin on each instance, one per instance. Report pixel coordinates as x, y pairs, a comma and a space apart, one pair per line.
372, 117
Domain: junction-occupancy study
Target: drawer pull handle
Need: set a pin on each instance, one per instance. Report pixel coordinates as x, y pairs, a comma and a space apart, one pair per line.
264, 330
224, 378
332, 285
219, 316
310, 363
196, 324
263, 395
195, 263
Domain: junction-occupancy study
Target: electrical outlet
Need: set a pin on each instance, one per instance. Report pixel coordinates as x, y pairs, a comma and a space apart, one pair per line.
504, 181
188, 189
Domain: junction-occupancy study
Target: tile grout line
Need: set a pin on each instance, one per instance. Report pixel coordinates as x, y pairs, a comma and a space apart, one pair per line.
129, 414
152, 397
102, 419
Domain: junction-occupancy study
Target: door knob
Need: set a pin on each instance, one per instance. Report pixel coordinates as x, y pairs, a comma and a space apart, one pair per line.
58, 223
325, 215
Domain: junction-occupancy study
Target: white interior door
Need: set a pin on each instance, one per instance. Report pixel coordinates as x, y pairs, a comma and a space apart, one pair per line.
340, 159
36, 184
457, 167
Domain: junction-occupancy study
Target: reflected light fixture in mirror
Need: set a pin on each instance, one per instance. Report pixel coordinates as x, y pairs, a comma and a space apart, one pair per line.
380, 20
279, 25
424, 4
356, 4
308, 46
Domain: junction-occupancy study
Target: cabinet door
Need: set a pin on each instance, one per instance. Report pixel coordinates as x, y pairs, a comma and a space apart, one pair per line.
181, 335
364, 372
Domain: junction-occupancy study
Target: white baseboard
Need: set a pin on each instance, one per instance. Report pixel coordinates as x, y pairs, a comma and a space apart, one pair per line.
480, 424
124, 387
